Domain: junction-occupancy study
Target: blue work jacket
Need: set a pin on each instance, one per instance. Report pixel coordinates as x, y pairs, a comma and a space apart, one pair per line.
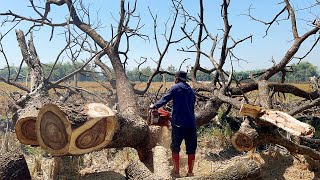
183, 98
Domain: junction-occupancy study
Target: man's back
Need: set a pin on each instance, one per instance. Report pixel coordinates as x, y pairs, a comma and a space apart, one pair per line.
183, 104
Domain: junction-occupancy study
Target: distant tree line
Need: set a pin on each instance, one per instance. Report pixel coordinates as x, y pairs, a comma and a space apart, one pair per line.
60, 70
299, 72
296, 73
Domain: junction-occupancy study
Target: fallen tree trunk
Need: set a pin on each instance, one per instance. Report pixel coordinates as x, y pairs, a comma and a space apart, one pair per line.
79, 129
242, 168
161, 163
275, 137
13, 166
279, 119
269, 135
312, 143
137, 170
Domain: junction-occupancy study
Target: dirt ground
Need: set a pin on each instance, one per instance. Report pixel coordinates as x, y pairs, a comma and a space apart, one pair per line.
275, 165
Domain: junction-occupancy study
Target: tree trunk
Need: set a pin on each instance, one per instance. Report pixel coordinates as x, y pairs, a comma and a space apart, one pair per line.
137, 170
208, 112
279, 119
160, 162
38, 95
236, 169
240, 169
79, 129
270, 135
126, 97
13, 166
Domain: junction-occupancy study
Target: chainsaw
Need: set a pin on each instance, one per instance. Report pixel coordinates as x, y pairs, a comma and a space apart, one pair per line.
159, 117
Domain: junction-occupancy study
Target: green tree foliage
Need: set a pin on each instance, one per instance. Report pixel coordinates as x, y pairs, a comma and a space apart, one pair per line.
59, 71
302, 71
298, 73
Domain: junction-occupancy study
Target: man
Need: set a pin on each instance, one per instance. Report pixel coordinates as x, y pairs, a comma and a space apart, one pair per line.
183, 120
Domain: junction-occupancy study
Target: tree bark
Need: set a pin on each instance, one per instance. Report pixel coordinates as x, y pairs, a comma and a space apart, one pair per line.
208, 112
13, 166
236, 169
137, 170
161, 163
38, 95
270, 135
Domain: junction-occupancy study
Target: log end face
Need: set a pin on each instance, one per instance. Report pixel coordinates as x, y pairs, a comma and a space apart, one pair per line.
242, 142
26, 131
93, 135
309, 132
53, 130
251, 110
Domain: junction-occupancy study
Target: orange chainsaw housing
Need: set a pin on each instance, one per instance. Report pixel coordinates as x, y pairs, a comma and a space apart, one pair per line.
159, 117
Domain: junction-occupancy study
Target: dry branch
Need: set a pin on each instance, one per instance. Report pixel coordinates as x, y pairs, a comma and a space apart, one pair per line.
279, 119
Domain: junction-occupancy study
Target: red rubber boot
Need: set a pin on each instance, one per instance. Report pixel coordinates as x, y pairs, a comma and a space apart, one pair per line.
176, 165
191, 159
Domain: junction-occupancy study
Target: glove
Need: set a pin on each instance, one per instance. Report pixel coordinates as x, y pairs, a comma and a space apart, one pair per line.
152, 106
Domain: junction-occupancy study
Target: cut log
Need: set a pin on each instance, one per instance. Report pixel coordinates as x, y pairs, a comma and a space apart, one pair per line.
137, 170
272, 136
26, 131
279, 119
238, 169
251, 110
76, 129
161, 163
246, 137
241, 168
26, 126
13, 166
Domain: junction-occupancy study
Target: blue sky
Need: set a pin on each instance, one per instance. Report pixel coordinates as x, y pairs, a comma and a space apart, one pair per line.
257, 54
